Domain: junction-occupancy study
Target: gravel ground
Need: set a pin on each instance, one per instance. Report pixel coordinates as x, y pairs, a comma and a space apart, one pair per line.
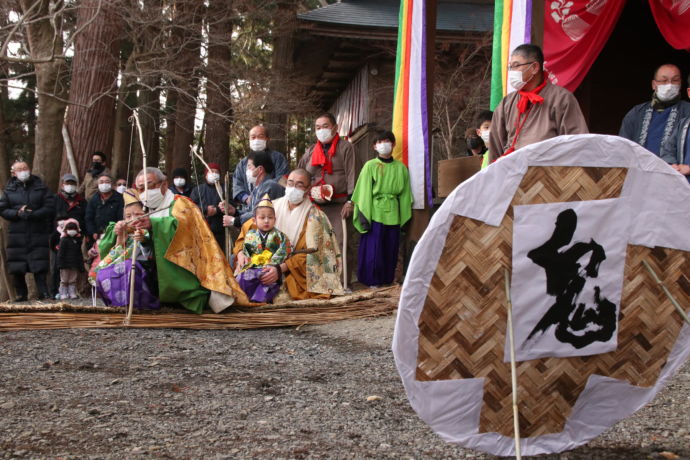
280, 393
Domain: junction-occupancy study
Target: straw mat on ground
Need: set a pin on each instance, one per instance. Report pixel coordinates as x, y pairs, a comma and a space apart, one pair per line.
463, 323
362, 304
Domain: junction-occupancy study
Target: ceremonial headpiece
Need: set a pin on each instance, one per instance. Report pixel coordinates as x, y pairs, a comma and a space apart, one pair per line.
265, 202
131, 197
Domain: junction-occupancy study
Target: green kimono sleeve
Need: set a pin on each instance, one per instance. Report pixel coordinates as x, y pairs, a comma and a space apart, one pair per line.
405, 199
283, 251
175, 284
363, 199
107, 241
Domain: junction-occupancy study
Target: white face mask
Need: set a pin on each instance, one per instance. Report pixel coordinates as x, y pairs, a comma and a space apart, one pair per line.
23, 175
484, 134
251, 178
384, 148
152, 198
69, 188
667, 92
72, 232
179, 182
121, 189
105, 188
257, 145
212, 177
294, 195
324, 135
515, 79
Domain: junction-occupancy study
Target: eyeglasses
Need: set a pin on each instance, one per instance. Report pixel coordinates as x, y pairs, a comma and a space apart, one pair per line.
665, 81
516, 66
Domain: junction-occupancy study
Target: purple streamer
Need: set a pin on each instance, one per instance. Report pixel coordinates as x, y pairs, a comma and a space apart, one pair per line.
528, 21
425, 111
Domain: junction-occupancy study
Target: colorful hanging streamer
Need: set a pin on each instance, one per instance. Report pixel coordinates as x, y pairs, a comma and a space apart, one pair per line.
512, 28
410, 120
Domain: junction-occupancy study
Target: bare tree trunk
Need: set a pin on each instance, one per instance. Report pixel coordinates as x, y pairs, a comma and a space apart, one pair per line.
188, 40
44, 42
285, 20
4, 128
218, 86
169, 138
149, 112
94, 77
122, 136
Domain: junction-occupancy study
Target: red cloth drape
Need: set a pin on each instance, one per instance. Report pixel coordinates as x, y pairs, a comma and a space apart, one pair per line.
575, 32
673, 19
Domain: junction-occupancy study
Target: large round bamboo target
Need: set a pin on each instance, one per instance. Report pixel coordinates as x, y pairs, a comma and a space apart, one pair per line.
571, 220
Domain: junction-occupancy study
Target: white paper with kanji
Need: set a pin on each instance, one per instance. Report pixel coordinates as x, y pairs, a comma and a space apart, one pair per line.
567, 279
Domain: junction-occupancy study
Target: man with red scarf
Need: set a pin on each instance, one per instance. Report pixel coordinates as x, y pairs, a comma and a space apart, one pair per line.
536, 110
331, 161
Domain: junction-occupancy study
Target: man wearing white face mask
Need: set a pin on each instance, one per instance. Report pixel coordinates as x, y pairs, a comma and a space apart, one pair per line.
206, 197
307, 276
676, 150
181, 185
258, 175
536, 110
28, 205
104, 207
258, 142
651, 123
331, 162
383, 204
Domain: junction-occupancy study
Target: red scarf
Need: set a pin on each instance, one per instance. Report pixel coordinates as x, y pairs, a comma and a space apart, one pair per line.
324, 160
528, 99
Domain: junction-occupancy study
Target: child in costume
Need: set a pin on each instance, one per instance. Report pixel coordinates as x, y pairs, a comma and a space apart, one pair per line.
112, 274
263, 247
70, 261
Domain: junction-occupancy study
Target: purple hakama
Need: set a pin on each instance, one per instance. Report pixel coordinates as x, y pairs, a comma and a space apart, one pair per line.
378, 254
250, 282
112, 285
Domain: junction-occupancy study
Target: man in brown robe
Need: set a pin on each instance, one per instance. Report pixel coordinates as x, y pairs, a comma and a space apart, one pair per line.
536, 111
331, 160
313, 271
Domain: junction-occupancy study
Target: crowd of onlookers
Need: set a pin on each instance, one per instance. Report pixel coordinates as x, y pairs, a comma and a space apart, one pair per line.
295, 228
308, 211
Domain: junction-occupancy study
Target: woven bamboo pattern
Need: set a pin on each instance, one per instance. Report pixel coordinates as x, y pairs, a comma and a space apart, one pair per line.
361, 304
463, 323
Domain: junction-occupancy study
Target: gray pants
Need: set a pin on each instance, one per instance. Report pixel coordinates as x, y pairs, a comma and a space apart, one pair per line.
68, 277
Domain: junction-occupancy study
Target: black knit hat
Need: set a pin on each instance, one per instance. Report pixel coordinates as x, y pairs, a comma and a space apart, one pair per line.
180, 172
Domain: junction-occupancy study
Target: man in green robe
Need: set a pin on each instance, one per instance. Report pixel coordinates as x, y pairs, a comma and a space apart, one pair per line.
382, 205
190, 267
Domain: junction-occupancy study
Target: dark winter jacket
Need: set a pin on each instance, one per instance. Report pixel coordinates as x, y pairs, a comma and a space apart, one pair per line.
100, 213
69, 253
73, 207
29, 231
205, 195
186, 192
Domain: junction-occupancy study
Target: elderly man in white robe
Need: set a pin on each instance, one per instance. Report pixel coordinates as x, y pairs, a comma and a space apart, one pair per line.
314, 270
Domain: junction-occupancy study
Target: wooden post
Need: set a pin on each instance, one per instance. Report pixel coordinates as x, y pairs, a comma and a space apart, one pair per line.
420, 217
537, 31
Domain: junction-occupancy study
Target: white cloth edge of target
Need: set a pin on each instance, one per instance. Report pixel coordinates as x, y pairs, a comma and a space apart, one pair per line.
426, 396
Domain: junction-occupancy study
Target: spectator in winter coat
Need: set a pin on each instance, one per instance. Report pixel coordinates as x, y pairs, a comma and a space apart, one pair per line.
89, 187
181, 185
104, 207
206, 197
29, 207
69, 204
70, 261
